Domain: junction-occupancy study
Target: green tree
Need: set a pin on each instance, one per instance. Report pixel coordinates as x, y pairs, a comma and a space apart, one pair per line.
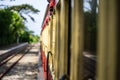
18, 26
29, 37
24, 9
12, 26
5, 26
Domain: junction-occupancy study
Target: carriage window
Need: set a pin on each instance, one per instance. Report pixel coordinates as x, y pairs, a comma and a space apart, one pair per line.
90, 38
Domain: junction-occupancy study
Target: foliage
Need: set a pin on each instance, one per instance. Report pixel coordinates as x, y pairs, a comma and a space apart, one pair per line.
6, 18
12, 29
12, 26
34, 39
90, 19
90, 25
28, 36
24, 9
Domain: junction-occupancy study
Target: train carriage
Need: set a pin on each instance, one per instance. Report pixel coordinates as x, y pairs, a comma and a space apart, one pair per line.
62, 41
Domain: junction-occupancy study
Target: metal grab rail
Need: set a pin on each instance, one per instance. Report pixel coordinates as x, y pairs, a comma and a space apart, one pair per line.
49, 53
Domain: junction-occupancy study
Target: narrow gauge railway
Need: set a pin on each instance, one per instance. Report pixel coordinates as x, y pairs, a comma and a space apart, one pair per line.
7, 61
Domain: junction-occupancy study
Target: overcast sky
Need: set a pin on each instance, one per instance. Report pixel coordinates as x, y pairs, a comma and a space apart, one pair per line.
38, 4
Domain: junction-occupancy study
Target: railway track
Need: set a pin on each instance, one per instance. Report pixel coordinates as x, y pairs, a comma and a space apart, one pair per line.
7, 61
12, 51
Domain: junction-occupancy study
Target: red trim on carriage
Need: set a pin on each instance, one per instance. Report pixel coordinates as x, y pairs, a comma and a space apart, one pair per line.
44, 65
52, 4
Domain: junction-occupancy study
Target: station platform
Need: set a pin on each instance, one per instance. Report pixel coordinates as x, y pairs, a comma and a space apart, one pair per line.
10, 48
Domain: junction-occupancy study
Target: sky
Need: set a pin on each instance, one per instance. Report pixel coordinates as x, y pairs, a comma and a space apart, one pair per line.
38, 4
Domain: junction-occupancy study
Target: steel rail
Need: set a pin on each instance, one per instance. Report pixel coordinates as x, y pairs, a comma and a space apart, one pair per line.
12, 65
11, 56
